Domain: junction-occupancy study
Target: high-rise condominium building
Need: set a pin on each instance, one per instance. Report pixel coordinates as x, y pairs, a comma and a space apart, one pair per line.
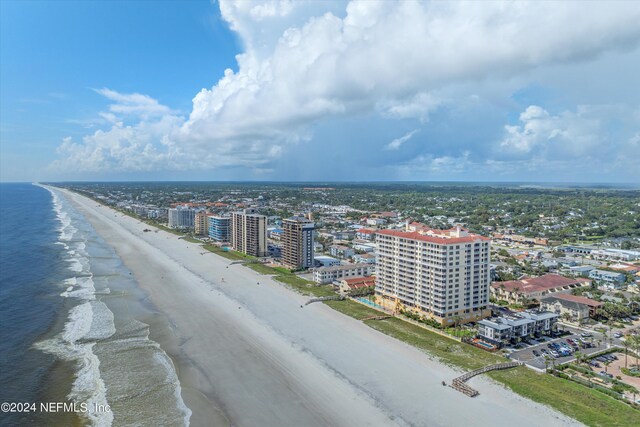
201, 223
220, 228
181, 217
249, 232
297, 242
442, 274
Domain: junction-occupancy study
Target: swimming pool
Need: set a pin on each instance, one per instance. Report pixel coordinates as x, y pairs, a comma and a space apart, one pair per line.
370, 303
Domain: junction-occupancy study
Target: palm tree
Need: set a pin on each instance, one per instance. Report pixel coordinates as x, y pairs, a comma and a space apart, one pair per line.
626, 351
579, 355
634, 343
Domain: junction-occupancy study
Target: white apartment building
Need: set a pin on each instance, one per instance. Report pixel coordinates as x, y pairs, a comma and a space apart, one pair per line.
442, 274
324, 275
249, 233
181, 217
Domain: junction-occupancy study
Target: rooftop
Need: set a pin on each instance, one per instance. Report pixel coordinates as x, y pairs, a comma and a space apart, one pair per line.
343, 267
443, 237
538, 284
575, 298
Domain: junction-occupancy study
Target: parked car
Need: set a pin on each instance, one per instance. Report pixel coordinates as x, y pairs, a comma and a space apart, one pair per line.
586, 335
536, 353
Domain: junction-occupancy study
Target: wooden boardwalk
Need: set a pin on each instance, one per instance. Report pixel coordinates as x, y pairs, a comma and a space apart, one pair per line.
460, 382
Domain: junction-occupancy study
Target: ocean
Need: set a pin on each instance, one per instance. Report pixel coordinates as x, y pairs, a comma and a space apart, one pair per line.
75, 325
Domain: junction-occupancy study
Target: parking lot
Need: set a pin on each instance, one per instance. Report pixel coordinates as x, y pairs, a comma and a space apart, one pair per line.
534, 354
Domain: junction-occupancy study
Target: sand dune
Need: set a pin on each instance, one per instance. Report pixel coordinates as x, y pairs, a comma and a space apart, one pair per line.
248, 355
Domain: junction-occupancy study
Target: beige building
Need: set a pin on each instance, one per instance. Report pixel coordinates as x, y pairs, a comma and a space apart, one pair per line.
324, 275
347, 285
440, 274
201, 223
297, 243
249, 232
571, 307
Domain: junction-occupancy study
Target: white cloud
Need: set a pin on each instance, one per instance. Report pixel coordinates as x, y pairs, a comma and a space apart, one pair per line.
384, 51
595, 138
306, 61
566, 134
397, 143
134, 104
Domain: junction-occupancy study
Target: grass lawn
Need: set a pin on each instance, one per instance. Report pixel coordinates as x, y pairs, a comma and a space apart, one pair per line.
579, 402
305, 287
353, 309
232, 255
191, 240
262, 269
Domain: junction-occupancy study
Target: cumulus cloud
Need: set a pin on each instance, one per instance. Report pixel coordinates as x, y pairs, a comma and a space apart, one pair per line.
598, 137
397, 143
304, 62
570, 133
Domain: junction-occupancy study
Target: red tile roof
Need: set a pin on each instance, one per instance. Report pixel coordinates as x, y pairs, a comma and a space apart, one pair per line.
414, 235
537, 284
360, 282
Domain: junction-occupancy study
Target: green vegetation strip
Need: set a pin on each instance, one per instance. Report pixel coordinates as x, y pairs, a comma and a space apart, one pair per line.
191, 240
585, 405
232, 255
305, 287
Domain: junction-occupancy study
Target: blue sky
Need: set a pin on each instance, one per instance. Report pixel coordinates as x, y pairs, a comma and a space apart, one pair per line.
280, 90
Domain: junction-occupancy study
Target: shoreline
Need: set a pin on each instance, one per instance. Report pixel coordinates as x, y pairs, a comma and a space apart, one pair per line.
242, 329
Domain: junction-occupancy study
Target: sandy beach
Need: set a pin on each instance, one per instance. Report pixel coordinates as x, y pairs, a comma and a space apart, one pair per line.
248, 355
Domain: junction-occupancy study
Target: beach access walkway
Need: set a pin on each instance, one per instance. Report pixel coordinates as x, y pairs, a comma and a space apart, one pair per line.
460, 384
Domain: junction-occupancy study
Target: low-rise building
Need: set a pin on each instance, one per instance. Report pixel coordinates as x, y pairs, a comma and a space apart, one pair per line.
325, 261
324, 275
364, 247
581, 270
506, 330
608, 279
366, 234
341, 251
615, 254
368, 258
535, 288
355, 283
577, 308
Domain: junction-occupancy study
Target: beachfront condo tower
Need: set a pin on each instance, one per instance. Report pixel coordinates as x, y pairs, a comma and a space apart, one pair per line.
201, 223
439, 274
249, 232
220, 228
181, 217
297, 242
